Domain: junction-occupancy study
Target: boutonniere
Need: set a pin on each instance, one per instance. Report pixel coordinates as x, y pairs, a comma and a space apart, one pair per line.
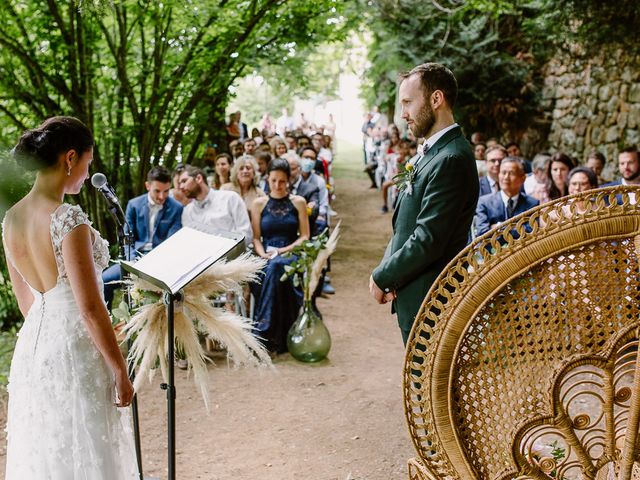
404, 179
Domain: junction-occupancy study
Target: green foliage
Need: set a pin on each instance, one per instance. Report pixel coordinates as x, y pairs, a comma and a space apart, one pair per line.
14, 184
593, 24
151, 79
495, 48
311, 74
479, 43
304, 255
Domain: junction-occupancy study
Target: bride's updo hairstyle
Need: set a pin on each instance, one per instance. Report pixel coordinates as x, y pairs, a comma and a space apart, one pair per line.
38, 149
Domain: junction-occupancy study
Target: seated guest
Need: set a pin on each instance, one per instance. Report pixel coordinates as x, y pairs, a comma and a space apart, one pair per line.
581, 179
629, 168
222, 170
537, 184
307, 190
302, 141
508, 202
489, 183
596, 161
237, 150
558, 171
263, 159
325, 157
279, 223
308, 157
513, 150
213, 209
278, 147
175, 192
153, 217
244, 180
290, 142
249, 146
257, 136
479, 150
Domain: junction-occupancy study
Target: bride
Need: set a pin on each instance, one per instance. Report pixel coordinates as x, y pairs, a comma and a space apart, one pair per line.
67, 374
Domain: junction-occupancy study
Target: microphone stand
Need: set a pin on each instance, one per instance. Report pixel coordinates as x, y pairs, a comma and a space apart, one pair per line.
126, 244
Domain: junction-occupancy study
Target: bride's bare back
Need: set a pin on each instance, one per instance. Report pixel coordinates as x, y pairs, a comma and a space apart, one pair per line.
28, 241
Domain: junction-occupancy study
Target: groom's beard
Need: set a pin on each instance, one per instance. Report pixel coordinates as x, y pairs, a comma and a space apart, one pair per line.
424, 122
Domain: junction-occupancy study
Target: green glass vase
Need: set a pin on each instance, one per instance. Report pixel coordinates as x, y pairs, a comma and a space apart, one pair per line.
308, 339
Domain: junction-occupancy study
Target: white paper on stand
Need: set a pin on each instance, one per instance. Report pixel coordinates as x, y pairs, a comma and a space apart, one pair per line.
182, 257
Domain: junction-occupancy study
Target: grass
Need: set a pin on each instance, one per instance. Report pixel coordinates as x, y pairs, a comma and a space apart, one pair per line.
349, 161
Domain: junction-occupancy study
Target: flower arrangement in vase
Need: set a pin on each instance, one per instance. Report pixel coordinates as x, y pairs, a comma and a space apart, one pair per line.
308, 339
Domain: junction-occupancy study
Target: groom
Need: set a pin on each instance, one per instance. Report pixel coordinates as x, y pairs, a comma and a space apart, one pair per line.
435, 208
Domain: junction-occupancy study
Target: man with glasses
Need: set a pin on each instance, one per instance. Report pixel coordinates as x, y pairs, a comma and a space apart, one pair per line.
490, 183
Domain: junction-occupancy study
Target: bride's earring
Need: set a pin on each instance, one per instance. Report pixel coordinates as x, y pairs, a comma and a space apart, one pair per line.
68, 171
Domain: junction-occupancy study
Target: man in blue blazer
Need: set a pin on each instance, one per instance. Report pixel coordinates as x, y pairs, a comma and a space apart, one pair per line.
494, 155
153, 217
497, 207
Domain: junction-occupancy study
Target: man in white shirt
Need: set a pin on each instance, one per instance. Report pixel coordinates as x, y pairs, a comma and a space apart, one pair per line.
213, 209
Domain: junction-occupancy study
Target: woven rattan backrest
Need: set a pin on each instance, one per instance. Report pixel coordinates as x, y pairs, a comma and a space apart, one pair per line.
521, 361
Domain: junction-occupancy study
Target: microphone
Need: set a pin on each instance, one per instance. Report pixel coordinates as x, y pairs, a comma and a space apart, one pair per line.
99, 180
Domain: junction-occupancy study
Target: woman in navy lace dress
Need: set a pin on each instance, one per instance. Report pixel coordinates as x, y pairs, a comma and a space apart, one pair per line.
280, 223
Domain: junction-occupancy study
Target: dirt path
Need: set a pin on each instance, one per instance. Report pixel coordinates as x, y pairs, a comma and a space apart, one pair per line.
339, 420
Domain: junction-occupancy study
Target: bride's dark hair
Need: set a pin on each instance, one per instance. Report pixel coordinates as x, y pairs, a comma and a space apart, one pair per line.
39, 148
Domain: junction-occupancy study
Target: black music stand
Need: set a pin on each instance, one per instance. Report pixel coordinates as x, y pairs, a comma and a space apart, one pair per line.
171, 266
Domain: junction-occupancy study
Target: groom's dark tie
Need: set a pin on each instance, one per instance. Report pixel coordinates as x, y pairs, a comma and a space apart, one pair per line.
511, 206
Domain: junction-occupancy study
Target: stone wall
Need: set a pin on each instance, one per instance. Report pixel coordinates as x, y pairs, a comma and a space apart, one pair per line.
594, 105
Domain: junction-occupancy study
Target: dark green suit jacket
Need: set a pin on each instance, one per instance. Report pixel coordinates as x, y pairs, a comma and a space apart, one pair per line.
430, 225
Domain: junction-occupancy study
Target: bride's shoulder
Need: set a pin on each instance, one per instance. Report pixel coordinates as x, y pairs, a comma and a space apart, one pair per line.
18, 212
66, 217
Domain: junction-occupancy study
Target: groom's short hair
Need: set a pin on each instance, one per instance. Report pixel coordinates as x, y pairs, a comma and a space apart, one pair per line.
435, 76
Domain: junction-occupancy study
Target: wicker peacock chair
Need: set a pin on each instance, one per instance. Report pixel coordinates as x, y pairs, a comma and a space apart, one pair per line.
522, 363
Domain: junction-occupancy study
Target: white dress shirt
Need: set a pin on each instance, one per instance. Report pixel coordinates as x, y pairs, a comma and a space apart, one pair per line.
220, 210
493, 184
431, 141
154, 210
632, 196
505, 201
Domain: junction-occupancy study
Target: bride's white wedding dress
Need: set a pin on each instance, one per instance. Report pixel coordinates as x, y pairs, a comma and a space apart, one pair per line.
62, 422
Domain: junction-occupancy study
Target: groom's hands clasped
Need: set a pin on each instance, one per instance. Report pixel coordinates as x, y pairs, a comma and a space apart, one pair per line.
380, 296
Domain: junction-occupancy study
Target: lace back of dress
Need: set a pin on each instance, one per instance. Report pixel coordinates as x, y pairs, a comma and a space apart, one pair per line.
64, 220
